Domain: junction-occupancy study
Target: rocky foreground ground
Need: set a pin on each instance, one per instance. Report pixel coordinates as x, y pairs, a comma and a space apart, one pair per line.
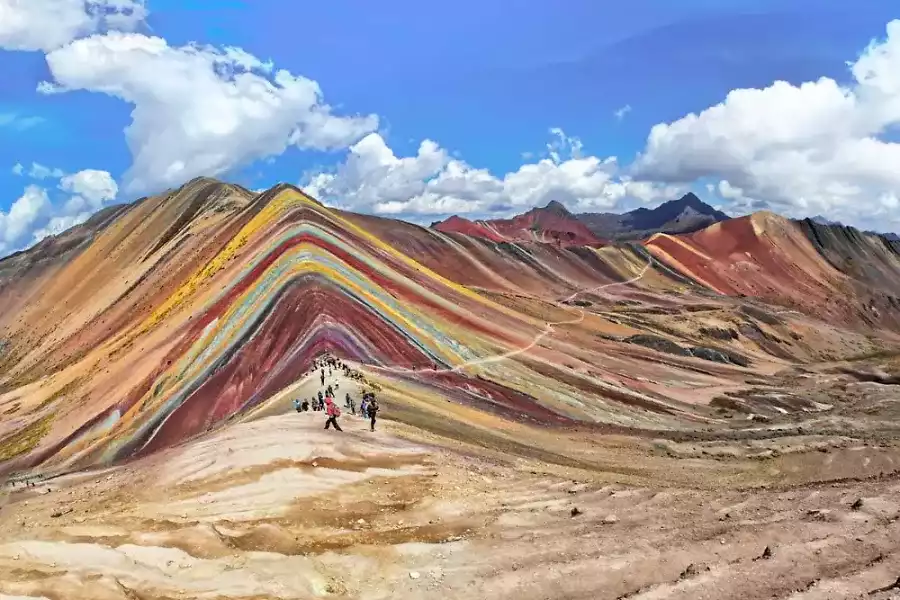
277, 507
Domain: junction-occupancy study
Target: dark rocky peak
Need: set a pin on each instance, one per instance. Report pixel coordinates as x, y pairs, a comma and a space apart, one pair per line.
690, 200
556, 208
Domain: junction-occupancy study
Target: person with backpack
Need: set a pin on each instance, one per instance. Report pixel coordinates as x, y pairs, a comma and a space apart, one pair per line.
297, 404
372, 411
333, 412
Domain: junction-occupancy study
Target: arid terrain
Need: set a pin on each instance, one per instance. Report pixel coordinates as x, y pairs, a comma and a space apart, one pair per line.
704, 415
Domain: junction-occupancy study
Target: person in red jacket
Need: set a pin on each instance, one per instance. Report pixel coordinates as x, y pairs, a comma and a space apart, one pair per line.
333, 412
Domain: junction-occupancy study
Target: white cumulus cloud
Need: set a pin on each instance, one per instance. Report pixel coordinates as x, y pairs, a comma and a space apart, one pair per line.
37, 213
24, 213
199, 110
95, 187
39, 171
819, 147
432, 183
49, 24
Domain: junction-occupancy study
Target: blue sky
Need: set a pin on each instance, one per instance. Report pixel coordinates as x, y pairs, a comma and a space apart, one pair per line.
484, 80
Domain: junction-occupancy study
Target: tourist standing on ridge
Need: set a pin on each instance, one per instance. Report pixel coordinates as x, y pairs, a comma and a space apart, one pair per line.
333, 413
322, 376
373, 411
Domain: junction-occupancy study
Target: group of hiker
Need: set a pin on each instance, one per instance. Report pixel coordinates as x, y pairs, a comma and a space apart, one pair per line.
324, 401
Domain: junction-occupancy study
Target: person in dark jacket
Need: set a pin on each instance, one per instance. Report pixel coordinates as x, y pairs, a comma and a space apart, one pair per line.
372, 409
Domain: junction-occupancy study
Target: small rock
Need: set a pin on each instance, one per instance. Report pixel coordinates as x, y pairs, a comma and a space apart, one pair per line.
722, 541
819, 514
414, 575
575, 511
315, 464
361, 522
610, 519
16, 557
857, 505
692, 570
767, 553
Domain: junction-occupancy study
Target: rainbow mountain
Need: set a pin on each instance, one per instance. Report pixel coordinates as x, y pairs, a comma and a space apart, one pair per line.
156, 322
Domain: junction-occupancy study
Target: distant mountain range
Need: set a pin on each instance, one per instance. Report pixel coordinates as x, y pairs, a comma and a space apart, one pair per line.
820, 220
552, 224
555, 223
685, 215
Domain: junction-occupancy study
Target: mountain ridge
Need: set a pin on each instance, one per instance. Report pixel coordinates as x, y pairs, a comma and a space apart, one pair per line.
552, 223
556, 223
174, 314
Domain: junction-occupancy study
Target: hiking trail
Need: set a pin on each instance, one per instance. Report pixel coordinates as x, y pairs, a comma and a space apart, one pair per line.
548, 328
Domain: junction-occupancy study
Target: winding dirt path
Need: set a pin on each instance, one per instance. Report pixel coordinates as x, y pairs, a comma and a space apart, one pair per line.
548, 329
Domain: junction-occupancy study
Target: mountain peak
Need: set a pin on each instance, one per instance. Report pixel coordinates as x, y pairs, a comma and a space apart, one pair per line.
686, 214
557, 208
552, 223
691, 200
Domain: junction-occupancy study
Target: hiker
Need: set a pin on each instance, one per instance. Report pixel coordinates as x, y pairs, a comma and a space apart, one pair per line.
329, 391
304, 406
347, 400
333, 412
322, 376
364, 406
373, 411
297, 404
